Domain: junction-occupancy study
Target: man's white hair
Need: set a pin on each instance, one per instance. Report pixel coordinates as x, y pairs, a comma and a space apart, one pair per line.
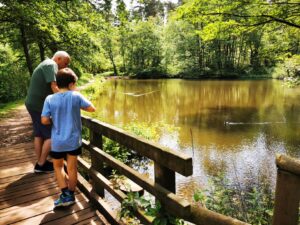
61, 54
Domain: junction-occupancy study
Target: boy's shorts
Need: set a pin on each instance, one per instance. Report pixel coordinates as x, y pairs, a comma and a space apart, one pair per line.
60, 155
39, 130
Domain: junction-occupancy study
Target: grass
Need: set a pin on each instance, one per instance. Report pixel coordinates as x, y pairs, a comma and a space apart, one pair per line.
6, 108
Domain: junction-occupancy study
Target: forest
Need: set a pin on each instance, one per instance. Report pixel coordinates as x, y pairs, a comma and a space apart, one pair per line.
191, 39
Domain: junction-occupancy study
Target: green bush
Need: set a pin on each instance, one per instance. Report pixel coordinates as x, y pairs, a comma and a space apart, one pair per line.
253, 204
290, 67
14, 79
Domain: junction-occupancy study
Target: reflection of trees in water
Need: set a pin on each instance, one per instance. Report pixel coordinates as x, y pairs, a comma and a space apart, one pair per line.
204, 107
213, 166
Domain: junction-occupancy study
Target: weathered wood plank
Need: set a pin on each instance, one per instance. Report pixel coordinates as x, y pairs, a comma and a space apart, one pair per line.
13, 194
289, 164
22, 168
28, 198
36, 211
287, 197
73, 217
21, 179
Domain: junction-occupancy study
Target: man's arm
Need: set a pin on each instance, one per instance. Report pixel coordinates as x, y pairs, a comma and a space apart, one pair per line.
54, 87
45, 120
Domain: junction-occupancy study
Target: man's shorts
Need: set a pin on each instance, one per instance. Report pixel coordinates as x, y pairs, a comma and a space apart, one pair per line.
60, 155
39, 130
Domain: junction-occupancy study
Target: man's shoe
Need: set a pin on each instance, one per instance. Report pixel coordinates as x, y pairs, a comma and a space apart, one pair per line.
65, 199
46, 168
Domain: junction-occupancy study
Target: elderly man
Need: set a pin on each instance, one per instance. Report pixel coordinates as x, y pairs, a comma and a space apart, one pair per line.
43, 83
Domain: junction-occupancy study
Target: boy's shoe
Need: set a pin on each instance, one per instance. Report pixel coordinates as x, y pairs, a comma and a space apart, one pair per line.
46, 168
65, 199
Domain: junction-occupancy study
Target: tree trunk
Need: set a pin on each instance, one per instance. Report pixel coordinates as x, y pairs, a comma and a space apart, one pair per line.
111, 57
25, 49
42, 51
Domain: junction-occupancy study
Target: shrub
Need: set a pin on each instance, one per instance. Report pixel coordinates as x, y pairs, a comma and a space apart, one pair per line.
14, 79
253, 204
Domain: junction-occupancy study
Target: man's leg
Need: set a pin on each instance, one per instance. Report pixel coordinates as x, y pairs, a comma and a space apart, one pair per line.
38, 144
44, 151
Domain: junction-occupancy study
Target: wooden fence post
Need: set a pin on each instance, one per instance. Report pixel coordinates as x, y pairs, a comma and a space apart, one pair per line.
287, 195
165, 177
96, 140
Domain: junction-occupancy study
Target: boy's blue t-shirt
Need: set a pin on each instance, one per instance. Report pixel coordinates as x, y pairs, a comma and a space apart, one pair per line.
64, 109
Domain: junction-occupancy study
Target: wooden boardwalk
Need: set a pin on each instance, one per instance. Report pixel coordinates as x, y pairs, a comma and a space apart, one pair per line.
27, 198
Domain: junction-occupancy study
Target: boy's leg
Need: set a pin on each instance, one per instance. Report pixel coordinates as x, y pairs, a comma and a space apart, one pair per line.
72, 171
60, 173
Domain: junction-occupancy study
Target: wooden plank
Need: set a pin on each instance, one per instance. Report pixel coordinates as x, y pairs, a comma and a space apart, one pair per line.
36, 211
10, 195
161, 173
19, 155
118, 194
28, 198
203, 216
16, 161
17, 151
176, 161
98, 202
22, 168
73, 217
289, 164
26, 145
12, 187
21, 179
287, 197
93, 221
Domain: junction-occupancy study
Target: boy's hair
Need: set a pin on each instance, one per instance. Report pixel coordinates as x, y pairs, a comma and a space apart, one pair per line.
64, 77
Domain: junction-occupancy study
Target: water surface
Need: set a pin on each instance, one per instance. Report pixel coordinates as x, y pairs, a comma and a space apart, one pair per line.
235, 127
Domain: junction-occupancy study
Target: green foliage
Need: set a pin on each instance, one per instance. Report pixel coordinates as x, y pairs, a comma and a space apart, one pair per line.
201, 38
95, 88
289, 70
116, 150
84, 79
253, 204
160, 216
13, 79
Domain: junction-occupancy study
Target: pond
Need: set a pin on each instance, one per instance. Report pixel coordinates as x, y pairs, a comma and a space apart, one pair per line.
230, 126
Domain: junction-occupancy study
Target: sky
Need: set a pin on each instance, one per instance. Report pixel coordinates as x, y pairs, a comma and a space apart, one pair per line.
130, 3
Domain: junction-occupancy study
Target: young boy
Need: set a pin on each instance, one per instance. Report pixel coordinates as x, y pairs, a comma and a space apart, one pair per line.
62, 109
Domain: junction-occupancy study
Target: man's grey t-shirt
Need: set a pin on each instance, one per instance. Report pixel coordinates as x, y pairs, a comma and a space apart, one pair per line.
64, 109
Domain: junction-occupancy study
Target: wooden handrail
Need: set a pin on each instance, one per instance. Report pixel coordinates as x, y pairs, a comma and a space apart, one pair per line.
166, 163
287, 194
175, 161
288, 163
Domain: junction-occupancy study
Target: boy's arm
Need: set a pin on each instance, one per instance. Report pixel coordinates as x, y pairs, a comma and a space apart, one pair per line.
45, 120
90, 108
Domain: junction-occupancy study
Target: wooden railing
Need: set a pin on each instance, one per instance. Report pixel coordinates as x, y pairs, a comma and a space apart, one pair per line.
163, 187
287, 194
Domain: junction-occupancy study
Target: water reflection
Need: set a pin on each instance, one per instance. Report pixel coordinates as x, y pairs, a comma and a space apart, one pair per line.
234, 126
